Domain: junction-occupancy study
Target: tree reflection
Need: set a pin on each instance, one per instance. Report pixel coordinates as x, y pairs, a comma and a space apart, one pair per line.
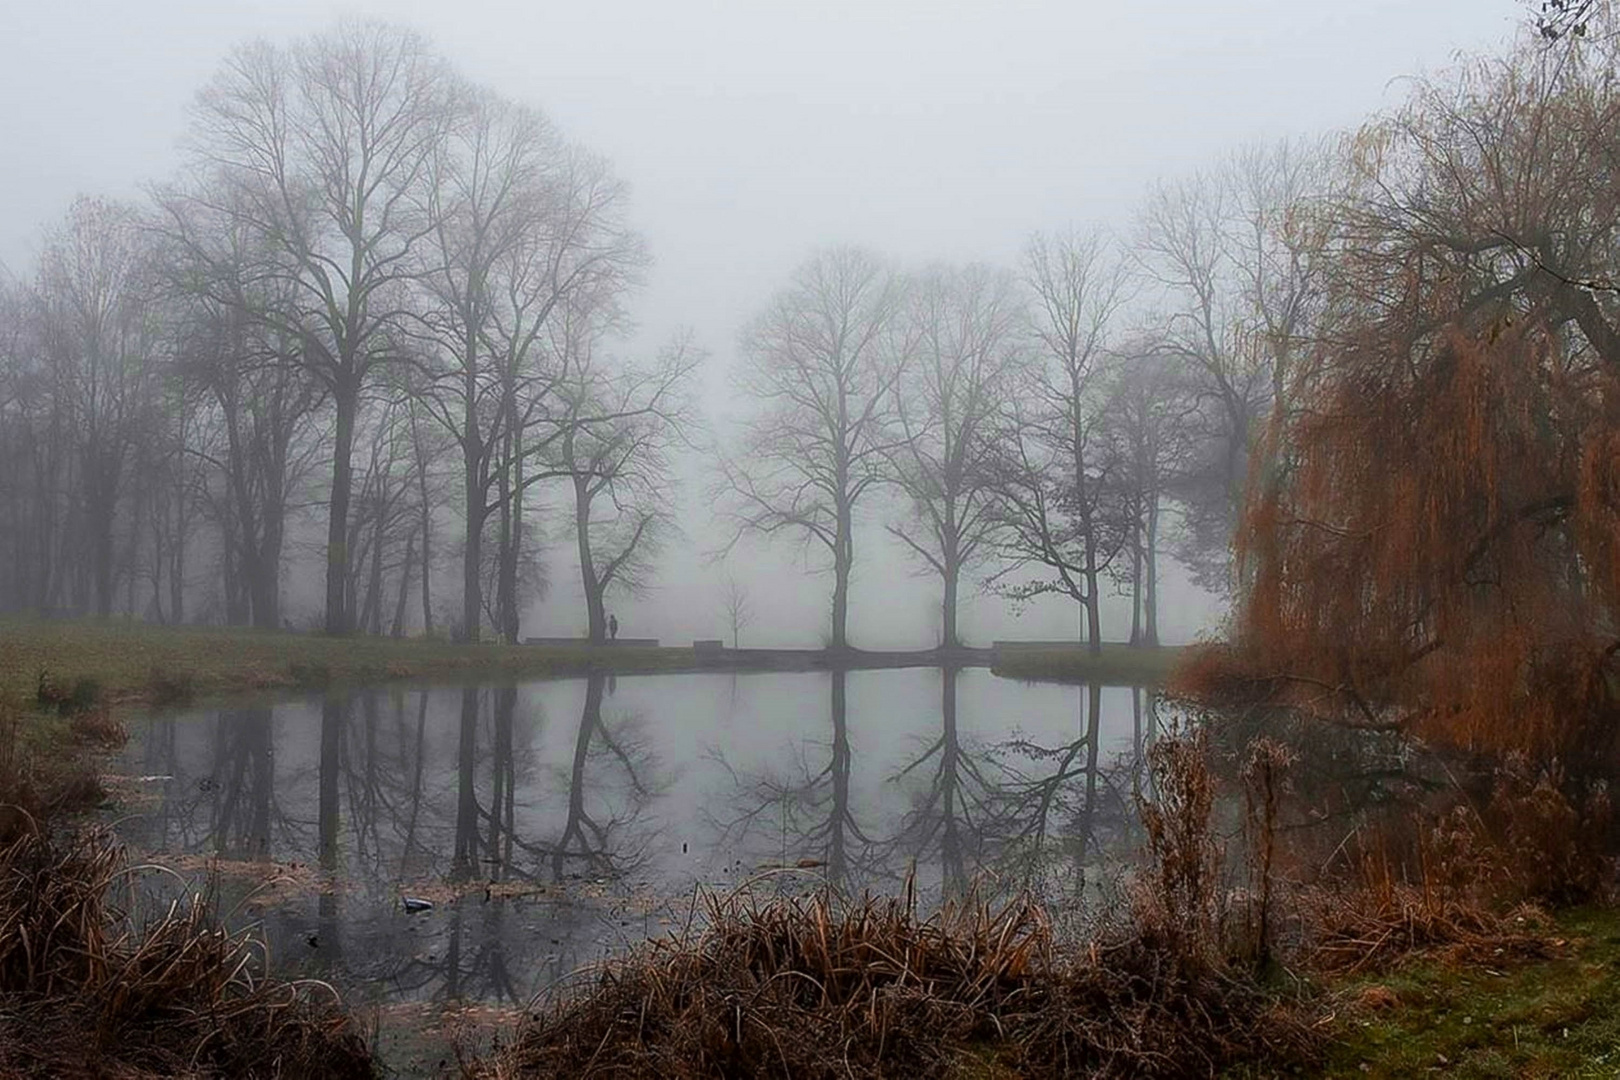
811, 807
1065, 801
600, 840
950, 813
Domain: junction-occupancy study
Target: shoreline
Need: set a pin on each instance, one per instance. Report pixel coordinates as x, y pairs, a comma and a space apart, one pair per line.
119, 662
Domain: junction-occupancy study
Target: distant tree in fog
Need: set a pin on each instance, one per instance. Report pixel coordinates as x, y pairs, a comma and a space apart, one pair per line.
254, 412
739, 609
1151, 411
965, 337
102, 345
1236, 257
822, 365
1057, 468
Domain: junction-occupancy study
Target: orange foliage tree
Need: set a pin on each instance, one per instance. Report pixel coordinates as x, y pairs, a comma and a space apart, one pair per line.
1431, 540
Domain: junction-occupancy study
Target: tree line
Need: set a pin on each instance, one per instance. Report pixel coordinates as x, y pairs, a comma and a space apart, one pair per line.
383, 295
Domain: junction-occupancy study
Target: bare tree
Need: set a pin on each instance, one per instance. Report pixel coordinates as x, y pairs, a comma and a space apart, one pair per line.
101, 338
524, 224
1237, 255
1056, 475
256, 408
739, 609
1151, 410
965, 338
322, 152
822, 364
620, 428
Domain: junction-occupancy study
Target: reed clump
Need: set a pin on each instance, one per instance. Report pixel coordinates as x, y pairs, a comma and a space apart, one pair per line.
826, 987
85, 992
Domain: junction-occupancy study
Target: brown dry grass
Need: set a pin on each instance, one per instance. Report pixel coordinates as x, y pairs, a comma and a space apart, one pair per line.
83, 992
48, 767
824, 987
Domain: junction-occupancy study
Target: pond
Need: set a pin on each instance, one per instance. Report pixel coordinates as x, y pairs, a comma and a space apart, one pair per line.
552, 823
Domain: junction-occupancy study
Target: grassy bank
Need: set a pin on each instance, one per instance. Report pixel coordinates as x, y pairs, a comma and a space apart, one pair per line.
121, 661
130, 661
1117, 664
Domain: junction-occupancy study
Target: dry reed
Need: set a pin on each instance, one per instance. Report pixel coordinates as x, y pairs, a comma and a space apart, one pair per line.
83, 992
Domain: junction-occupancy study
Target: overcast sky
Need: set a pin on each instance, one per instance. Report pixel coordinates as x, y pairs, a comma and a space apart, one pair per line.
752, 131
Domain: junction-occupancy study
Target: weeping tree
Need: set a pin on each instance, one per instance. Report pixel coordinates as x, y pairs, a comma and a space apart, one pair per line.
1435, 546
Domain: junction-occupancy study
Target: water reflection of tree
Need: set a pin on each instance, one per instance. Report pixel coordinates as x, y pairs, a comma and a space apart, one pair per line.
1064, 800
811, 807
950, 813
244, 772
609, 758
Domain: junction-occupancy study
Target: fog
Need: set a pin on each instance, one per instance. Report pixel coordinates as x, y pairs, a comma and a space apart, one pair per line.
751, 136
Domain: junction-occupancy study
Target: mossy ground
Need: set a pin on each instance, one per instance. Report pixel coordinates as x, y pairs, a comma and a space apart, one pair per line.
1558, 1017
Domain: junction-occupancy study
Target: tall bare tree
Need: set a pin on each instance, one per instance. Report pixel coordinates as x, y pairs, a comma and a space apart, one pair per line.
101, 338
1237, 255
323, 152
1057, 473
822, 364
965, 334
615, 450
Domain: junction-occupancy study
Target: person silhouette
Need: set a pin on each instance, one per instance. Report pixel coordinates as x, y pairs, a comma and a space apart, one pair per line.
613, 627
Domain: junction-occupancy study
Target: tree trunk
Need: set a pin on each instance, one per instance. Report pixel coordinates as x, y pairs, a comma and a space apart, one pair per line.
1151, 576
1136, 582
398, 628
177, 567
512, 547
427, 568
338, 612
843, 556
1093, 614
595, 606
952, 575
374, 587
265, 580
427, 554
102, 540
472, 592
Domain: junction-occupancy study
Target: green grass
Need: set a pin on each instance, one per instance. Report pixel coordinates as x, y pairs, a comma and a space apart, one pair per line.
1117, 664
1546, 1018
135, 662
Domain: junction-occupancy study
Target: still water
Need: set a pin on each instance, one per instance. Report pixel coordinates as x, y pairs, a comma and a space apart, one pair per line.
552, 823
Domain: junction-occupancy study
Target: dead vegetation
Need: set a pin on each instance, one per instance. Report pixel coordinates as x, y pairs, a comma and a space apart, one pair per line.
47, 767
85, 992
826, 987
